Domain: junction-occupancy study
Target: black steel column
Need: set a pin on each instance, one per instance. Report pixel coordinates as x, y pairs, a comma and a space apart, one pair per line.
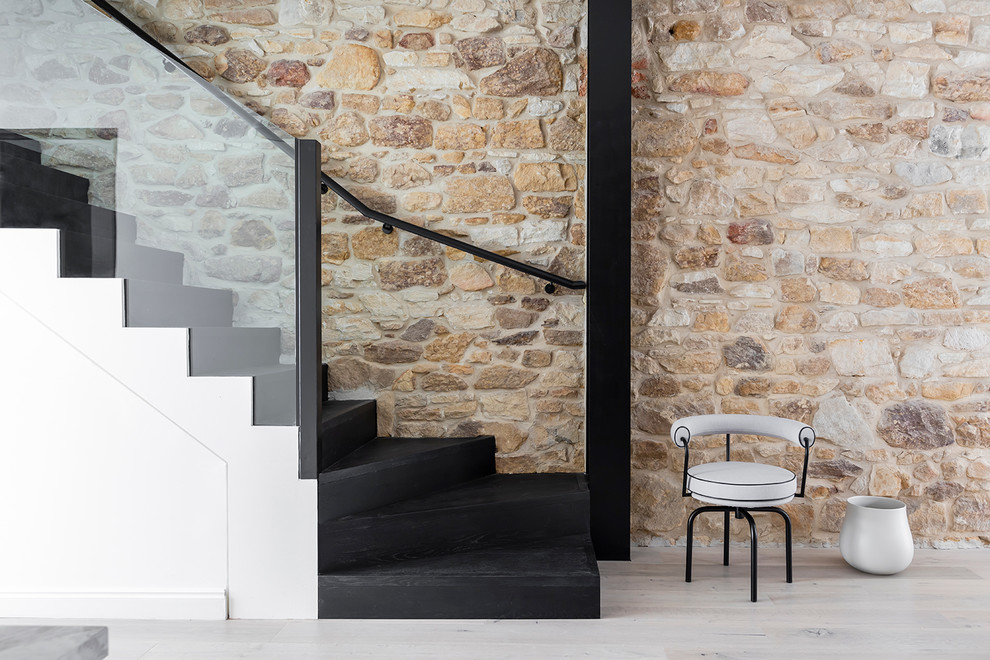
309, 341
609, 244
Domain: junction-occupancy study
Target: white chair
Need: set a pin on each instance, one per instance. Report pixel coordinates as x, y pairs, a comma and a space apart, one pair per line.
741, 487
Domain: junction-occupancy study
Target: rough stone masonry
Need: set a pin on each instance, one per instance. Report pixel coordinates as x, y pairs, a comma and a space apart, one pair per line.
466, 117
810, 240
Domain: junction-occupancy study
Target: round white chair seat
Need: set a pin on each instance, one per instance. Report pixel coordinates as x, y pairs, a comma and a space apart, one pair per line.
737, 483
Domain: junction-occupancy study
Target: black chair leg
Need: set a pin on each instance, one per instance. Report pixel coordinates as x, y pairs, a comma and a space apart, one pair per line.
690, 544
690, 534
752, 551
787, 541
725, 541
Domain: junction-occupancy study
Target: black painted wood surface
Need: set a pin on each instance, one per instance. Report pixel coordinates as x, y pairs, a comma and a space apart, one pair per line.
548, 578
488, 511
18, 146
387, 470
345, 426
14, 169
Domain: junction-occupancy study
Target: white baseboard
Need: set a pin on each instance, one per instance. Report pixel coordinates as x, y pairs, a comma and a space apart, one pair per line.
108, 605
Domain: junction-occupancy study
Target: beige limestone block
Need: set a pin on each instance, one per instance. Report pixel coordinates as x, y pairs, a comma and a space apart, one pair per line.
545, 177
470, 276
709, 82
422, 201
862, 357
931, 293
839, 293
952, 30
772, 41
521, 134
421, 18
944, 244
460, 136
886, 481
664, 137
506, 405
351, 66
472, 194
885, 245
831, 239
334, 248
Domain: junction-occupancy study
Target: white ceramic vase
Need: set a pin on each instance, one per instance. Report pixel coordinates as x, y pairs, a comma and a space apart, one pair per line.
875, 536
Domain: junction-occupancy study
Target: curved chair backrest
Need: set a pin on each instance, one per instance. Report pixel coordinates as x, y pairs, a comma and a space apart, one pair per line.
686, 428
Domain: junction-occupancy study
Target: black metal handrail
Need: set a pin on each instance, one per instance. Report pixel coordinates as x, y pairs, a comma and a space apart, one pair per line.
388, 222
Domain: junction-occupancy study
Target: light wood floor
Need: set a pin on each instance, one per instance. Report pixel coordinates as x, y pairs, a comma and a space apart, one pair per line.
939, 607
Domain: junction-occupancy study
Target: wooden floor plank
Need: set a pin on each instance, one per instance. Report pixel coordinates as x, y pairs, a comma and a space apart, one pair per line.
937, 608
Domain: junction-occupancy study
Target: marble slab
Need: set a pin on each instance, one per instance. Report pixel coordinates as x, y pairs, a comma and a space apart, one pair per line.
53, 643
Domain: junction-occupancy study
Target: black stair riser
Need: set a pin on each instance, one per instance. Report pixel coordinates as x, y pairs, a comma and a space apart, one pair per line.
15, 150
8, 136
43, 179
423, 473
373, 540
85, 256
499, 597
23, 207
345, 426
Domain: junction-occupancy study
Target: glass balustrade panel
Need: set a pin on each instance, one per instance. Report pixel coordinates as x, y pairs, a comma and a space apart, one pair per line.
180, 170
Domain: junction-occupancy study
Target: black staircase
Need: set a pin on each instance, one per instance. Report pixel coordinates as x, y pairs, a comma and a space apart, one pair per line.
35, 196
424, 528
408, 527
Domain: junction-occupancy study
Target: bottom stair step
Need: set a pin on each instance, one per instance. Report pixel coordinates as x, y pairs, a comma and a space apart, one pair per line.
551, 578
494, 510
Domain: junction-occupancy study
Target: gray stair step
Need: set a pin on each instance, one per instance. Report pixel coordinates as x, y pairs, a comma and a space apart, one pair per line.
136, 262
216, 351
274, 388
275, 396
126, 227
159, 305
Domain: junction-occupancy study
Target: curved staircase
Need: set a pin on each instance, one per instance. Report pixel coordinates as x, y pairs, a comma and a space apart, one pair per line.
407, 527
424, 528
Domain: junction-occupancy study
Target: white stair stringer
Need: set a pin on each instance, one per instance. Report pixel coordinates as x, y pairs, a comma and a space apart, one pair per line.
271, 513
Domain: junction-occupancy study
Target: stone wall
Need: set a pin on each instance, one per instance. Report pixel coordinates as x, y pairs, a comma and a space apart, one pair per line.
464, 116
810, 240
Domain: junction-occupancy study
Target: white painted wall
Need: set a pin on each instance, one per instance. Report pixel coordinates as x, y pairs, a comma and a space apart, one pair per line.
127, 488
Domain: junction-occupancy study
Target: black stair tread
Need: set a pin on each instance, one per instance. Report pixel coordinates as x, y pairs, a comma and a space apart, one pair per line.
38, 209
339, 406
48, 180
491, 489
372, 454
567, 557
12, 147
345, 425
12, 136
333, 412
